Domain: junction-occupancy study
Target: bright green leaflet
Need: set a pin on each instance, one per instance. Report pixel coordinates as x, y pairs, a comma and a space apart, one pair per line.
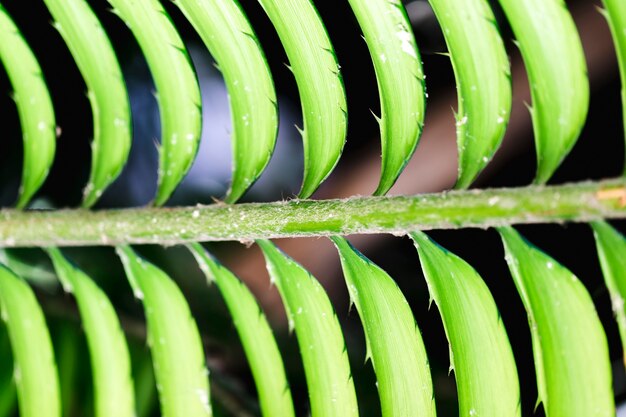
256, 336
96, 60
113, 387
482, 71
569, 345
557, 73
323, 349
314, 64
178, 93
35, 371
225, 30
34, 106
394, 343
612, 253
615, 12
173, 337
480, 352
387, 31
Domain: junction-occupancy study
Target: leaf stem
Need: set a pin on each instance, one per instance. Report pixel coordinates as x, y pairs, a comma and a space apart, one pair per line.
576, 202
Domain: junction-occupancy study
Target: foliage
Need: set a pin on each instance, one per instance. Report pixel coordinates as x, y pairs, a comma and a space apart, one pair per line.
571, 355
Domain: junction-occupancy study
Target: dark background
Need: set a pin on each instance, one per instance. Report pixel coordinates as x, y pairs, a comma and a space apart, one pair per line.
598, 154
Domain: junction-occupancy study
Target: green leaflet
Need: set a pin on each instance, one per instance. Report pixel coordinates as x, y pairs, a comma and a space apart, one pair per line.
480, 352
323, 349
615, 12
569, 344
113, 387
554, 59
34, 106
256, 336
231, 40
396, 59
177, 351
34, 367
394, 343
314, 64
612, 253
96, 60
178, 93
482, 72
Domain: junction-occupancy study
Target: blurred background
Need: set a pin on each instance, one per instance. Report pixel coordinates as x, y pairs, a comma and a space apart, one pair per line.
598, 154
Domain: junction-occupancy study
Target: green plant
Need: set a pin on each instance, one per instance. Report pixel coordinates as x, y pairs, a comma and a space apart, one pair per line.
570, 350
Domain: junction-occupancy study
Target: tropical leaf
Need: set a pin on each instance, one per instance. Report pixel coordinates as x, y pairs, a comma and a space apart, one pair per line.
94, 55
612, 253
178, 356
569, 345
33, 104
314, 65
387, 31
557, 72
177, 90
323, 350
394, 343
255, 333
482, 72
34, 369
231, 40
480, 353
108, 350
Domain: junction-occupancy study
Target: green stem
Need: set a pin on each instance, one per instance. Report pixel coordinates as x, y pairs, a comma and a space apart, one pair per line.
577, 202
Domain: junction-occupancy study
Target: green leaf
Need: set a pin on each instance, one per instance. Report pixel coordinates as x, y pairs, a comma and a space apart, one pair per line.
256, 336
394, 343
612, 253
96, 60
110, 363
226, 32
34, 107
35, 371
173, 337
178, 93
387, 31
615, 12
482, 72
557, 73
323, 349
569, 345
480, 352
314, 64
